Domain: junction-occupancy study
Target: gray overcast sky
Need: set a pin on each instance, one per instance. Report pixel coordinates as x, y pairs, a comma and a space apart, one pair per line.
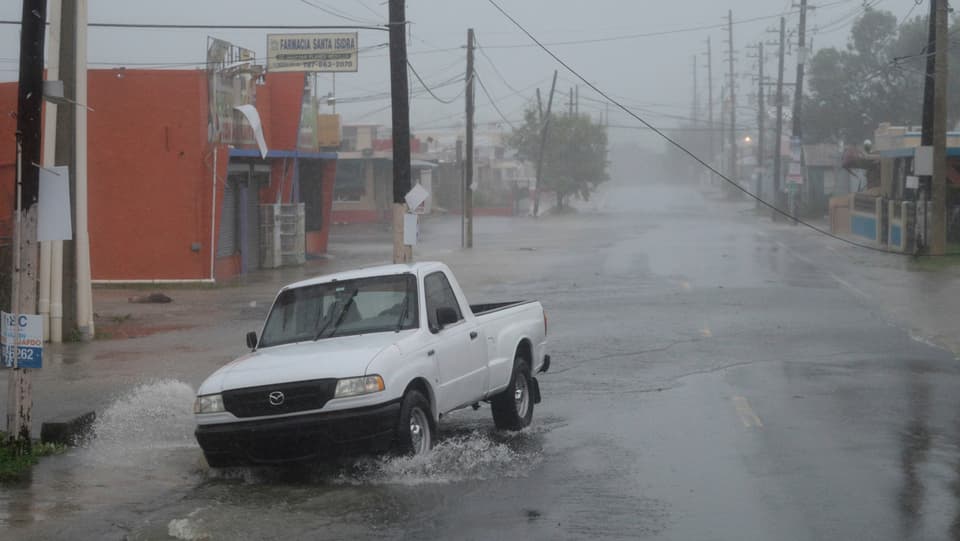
654, 72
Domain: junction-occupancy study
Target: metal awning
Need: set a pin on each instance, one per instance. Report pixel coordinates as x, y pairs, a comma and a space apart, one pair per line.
254, 153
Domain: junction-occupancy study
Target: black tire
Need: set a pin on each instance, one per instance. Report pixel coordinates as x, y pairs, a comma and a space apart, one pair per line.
513, 407
415, 418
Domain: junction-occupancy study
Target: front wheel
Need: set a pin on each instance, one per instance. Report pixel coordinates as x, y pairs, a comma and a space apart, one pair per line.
415, 431
513, 407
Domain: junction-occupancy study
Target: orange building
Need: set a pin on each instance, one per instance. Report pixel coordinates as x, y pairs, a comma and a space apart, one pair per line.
165, 203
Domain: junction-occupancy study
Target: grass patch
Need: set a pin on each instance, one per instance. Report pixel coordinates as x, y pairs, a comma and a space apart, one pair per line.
16, 459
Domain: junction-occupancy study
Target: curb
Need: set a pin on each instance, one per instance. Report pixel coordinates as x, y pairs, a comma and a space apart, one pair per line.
68, 430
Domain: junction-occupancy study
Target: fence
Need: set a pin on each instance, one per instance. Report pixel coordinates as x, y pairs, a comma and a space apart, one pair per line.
900, 232
867, 217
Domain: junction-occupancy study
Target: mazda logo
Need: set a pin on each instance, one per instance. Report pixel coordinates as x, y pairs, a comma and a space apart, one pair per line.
276, 398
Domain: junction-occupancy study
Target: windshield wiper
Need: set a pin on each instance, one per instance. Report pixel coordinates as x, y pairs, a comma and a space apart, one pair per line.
403, 314
339, 319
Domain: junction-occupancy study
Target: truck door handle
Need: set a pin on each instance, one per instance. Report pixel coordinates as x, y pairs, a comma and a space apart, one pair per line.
431, 353
473, 335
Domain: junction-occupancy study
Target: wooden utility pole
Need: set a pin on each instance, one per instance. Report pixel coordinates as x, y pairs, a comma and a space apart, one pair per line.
732, 170
938, 240
798, 88
926, 130
543, 147
695, 107
468, 172
713, 146
778, 143
794, 194
400, 101
761, 118
26, 253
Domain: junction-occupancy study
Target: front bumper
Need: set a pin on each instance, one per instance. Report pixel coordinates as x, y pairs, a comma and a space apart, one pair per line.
300, 437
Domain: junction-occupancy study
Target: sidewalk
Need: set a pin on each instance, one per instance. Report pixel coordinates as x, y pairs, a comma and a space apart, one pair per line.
922, 293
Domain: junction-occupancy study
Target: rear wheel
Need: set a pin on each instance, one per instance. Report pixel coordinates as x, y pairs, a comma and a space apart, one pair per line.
513, 407
415, 431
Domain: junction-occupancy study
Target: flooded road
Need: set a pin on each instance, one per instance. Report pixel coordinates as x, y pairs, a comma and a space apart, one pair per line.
712, 379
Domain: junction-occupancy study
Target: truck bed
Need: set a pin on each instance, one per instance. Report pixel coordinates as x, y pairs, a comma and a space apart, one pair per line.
479, 309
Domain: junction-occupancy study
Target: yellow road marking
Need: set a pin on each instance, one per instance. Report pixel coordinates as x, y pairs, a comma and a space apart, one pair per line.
747, 416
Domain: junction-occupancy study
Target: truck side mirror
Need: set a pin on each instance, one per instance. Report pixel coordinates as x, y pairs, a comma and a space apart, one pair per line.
446, 316
252, 340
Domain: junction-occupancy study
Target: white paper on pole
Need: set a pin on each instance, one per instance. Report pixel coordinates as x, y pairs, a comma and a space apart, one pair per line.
253, 117
923, 161
416, 196
410, 229
913, 182
53, 204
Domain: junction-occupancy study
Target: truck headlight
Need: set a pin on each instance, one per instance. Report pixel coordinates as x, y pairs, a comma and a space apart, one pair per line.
358, 386
209, 403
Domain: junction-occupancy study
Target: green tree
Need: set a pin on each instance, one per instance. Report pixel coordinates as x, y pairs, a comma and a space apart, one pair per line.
877, 78
575, 155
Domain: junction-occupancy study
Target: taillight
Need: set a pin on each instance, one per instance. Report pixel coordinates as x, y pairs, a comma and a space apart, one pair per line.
544, 322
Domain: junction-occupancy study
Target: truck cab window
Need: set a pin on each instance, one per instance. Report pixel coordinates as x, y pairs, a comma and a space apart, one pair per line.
439, 294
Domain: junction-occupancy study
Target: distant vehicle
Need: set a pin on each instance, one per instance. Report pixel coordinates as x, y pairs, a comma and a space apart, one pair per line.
370, 360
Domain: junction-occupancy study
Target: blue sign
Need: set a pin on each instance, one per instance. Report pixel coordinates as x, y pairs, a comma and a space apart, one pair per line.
21, 340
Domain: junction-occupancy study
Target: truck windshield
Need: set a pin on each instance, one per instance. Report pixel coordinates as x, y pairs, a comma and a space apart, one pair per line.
347, 307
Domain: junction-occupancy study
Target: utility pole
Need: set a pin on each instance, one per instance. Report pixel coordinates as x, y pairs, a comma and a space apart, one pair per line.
778, 143
463, 193
543, 147
798, 102
26, 253
695, 108
926, 130
732, 170
761, 117
571, 101
710, 97
938, 241
468, 172
400, 102
539, 105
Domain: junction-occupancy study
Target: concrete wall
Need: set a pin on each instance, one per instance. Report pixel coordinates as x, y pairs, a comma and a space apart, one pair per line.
150, 175
151, 169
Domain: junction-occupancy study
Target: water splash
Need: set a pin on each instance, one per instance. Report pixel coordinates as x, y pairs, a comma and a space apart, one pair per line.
475, 456
151, 417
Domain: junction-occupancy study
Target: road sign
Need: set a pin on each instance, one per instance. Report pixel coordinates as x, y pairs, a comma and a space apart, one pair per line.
21, 336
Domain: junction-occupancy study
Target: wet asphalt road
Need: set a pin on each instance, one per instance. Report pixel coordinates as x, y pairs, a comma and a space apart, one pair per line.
714, 377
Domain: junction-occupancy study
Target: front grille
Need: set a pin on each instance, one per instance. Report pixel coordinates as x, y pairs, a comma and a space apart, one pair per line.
297, 396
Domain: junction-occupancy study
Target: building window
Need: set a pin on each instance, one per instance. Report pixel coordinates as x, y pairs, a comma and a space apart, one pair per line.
351, 183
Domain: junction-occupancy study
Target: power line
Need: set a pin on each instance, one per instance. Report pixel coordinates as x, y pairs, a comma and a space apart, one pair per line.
493, 65
335, 12
427, 88
679, 146
492, 102
661, 32
162, 26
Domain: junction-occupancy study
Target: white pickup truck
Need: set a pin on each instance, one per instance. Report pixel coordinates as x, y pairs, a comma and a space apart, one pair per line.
370, 360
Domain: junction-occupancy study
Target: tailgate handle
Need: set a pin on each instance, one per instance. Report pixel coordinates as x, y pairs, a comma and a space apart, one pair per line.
473, 335
431, 353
